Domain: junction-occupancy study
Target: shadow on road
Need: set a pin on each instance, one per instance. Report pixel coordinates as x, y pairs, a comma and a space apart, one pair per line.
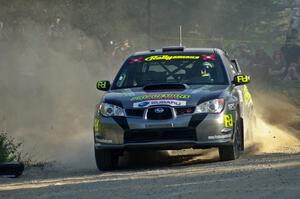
154, 159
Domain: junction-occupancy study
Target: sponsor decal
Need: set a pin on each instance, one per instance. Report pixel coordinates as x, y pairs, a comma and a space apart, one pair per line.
171, 57
160, 97
204, 73
228, 120
102, 84
211, 57
247, 95
141, 104
242, 78
145, 104
215, 137
134, 60
231, 106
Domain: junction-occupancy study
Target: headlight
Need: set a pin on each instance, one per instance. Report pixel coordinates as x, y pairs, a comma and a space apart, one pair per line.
212, 106
109, 110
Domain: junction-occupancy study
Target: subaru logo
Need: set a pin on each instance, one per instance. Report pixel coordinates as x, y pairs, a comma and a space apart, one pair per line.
159, 110
143, 104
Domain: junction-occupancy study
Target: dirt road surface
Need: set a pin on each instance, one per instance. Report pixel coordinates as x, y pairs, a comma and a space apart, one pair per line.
165, 176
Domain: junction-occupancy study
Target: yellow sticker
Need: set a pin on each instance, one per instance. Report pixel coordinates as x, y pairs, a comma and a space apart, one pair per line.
97, 125
169, 57
102, 85
204, 73
247, 95
242, 78
228, 121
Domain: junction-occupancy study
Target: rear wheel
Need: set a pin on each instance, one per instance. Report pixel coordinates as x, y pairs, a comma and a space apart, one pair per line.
233, 152
106, 159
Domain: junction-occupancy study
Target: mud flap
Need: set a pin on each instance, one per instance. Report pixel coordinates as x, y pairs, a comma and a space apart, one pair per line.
242, 135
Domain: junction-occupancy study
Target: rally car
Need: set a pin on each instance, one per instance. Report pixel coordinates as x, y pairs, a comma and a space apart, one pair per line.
173, 98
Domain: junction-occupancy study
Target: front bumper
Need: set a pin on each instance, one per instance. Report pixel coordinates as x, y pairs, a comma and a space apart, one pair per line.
170, 145
187, 131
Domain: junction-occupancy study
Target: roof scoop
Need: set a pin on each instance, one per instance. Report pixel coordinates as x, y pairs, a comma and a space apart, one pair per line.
154, 87
173, 48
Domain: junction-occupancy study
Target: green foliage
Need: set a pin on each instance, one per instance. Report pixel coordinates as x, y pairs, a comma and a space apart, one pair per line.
229, 19
9, 149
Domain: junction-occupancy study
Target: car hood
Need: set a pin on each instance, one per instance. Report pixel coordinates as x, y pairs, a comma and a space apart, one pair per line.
138, 98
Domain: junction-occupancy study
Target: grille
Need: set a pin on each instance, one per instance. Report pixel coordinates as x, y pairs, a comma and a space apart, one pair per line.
135, 112
174, 134
164, 113
185, 110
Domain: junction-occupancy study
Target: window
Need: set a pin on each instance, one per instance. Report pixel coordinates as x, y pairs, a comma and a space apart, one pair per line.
159, 69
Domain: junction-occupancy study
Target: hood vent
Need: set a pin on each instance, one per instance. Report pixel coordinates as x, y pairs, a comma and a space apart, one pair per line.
154, 87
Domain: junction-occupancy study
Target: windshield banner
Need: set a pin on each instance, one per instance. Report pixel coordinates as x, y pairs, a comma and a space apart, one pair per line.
169, 57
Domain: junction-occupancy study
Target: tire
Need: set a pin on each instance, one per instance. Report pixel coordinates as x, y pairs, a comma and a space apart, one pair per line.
232, 152
106, 159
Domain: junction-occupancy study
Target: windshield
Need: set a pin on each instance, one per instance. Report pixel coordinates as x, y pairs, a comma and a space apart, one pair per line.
139, 71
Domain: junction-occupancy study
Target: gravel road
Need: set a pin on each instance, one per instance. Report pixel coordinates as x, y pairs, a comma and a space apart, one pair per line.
165, 176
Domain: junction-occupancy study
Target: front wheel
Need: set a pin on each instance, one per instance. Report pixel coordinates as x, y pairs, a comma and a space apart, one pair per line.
106, 159
232, 152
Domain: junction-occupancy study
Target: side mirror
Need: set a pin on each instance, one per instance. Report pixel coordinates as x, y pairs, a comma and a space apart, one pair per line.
241, 80
103, 85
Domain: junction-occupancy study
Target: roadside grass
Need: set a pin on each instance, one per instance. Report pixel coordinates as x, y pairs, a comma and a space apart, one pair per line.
11, 150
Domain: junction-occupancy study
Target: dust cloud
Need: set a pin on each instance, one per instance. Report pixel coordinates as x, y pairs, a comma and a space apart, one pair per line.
277, 124
48, 93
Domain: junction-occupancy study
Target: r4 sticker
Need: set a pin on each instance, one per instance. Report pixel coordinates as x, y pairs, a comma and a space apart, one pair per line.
228, 120
211, 57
